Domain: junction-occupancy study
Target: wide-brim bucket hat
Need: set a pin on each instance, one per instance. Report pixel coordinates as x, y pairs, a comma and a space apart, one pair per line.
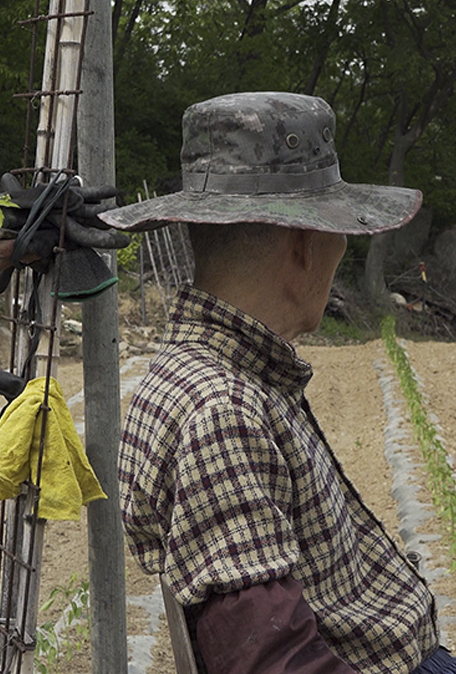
267, 157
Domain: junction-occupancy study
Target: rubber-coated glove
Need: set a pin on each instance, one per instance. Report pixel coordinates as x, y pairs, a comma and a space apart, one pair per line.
38, 255
82, 226
10, 385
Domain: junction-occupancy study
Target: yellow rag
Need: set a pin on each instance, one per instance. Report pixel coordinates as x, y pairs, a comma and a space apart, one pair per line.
67, 479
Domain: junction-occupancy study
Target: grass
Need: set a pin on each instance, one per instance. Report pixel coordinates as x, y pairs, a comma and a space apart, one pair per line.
441, 480
339, 331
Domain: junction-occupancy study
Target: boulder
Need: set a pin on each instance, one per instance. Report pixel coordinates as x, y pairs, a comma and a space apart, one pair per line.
445, 250
409, 241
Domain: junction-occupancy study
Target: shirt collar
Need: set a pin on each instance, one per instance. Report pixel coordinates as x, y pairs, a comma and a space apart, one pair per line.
197, 316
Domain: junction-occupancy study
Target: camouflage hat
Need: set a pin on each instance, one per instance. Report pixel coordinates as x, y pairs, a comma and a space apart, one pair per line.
267, 158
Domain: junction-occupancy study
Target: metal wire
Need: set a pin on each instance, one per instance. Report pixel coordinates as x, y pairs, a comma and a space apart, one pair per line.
14, 560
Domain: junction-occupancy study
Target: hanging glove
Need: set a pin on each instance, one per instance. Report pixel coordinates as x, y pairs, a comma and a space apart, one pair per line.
11, 385
90, 237
83, 275
30, 221
38, 254
5, 278
82, 225
84, 203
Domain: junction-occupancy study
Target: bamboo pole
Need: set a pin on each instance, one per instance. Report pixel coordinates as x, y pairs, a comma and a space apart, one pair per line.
44, 141
55, 134
185, 253
155, 270
169, 245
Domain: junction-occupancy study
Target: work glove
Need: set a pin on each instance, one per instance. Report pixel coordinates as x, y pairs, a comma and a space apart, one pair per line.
11, 385
82, 226
38, 254
83, 275
84, 203
30, 221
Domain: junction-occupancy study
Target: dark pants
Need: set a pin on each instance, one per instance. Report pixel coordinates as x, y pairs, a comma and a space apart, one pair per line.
441, 662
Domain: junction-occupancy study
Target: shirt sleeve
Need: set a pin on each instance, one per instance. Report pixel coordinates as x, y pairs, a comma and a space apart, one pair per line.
265, 629
231, 518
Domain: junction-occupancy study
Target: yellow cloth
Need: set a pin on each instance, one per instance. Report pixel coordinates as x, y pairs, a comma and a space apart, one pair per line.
67, 479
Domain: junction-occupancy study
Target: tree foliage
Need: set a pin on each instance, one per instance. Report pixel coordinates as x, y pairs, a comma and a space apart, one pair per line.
388, 67
15, 45
181, 52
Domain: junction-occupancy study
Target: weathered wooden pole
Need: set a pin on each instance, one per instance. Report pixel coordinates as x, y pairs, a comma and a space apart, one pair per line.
101, 365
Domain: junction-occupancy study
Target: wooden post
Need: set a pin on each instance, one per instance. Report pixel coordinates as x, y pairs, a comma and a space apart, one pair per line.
184, 657
101, 365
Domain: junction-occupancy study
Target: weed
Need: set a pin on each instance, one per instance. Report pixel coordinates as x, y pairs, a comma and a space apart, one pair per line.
442, 482
67, 635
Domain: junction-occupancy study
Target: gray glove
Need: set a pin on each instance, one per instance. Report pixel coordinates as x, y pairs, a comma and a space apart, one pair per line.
11, 385
41, 207
30, 222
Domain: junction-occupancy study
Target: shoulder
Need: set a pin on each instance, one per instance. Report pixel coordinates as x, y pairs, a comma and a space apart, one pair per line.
187, 378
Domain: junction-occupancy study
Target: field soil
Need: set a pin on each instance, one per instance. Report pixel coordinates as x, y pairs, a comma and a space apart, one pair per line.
347, 399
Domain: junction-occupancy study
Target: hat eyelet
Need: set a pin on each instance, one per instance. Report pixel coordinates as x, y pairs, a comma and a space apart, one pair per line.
327, 134
362, 220
292, 140
316, 150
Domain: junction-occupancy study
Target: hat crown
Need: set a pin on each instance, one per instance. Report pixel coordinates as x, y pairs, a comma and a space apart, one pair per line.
268, 157
251, 134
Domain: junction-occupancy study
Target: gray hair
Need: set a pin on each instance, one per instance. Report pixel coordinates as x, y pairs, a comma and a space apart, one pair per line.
233, 244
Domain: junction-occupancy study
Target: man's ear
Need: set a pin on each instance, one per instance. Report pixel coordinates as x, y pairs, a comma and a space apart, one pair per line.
302, 242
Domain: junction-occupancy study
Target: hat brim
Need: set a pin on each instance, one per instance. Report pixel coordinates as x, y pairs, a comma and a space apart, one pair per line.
343, 208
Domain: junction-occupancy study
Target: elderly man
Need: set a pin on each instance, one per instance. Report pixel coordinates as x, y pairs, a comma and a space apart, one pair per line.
228, 484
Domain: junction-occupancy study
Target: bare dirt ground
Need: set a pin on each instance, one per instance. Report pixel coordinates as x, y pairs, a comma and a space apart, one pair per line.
346, 397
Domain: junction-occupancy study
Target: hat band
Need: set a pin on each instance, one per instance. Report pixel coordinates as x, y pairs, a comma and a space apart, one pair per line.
261, 183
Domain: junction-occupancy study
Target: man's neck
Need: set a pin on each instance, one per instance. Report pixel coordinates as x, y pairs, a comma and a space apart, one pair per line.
262, 301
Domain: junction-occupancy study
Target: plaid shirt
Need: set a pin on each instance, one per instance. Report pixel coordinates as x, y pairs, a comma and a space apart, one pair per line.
228, 481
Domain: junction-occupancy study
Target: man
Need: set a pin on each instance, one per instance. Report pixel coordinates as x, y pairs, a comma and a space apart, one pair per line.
228, 485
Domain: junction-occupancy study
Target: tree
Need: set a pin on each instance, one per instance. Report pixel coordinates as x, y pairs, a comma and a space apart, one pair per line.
176, 53
14, 79
407, 61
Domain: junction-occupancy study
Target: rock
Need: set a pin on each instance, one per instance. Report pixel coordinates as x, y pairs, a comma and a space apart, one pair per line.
123, 348
408, 241
445, 250
134, 350
398, 299
71, 348
71, 325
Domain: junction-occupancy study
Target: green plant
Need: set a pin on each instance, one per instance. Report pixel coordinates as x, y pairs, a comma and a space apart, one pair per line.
54, 640
47, 649
339, 331
126, 257
442, 482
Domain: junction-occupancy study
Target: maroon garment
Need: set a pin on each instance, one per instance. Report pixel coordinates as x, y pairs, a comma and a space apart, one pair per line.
264, 629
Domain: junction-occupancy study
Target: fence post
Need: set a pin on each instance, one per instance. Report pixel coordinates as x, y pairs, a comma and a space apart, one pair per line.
101, 365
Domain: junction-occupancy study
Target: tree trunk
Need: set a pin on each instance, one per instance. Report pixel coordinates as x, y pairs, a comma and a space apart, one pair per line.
374, 279
330, 34
116, 14
374, 273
